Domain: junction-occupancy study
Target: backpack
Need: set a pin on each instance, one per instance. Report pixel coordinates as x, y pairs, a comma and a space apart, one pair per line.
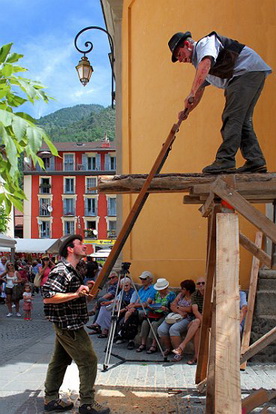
129, 329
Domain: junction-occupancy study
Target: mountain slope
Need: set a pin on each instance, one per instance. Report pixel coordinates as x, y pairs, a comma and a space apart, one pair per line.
80, 123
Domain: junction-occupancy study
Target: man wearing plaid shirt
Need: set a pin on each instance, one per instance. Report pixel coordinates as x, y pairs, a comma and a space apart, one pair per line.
65, 306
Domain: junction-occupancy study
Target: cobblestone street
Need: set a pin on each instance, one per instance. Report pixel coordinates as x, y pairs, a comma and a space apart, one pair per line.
141, 384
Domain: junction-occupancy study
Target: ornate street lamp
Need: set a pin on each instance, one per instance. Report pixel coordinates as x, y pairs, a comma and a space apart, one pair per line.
84, 68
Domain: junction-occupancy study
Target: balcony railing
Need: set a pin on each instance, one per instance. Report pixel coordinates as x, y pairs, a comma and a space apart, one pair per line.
89, 234
69, 213
60, 167
44, 212
90, 213
45, 188
111, 234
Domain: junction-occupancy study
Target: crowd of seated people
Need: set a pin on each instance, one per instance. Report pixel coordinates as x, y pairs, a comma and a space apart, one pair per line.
154, 310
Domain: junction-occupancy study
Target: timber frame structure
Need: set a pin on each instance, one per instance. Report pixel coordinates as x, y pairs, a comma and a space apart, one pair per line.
220, 355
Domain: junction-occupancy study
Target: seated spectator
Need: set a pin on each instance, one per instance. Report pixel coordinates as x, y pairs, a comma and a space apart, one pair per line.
135, 312
156, 314
194, 326
109, 295
243, 310
103, 321
170, 335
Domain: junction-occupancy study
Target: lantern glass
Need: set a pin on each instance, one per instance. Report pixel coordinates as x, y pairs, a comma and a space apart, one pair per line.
84, 70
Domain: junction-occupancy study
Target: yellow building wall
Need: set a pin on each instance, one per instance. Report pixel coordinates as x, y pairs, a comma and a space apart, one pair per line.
169, 238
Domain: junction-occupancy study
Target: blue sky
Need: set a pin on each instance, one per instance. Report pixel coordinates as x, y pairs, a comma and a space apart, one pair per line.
44, 31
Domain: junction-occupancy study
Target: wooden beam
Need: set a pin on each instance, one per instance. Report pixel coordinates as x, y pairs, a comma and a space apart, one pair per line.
256, 399
227, 368
255, 250
202, 363
251, 298
260, 344
245, 209
133, 183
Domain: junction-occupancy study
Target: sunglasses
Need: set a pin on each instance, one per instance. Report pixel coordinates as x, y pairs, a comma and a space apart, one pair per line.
112, 277
200, 283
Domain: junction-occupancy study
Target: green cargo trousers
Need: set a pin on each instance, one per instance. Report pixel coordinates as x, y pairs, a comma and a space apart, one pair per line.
72, 345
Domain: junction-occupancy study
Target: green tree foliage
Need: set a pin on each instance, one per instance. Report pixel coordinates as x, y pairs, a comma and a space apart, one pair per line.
4, 220
80, 123
18, 131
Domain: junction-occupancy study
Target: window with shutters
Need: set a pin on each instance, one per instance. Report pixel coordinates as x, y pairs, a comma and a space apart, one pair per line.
44, 229
69, 227
111, 206
90, 207
69, 185
68, 162
90, 182
69, 207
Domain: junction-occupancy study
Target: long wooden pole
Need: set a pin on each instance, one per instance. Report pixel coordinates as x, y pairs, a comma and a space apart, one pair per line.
135, 211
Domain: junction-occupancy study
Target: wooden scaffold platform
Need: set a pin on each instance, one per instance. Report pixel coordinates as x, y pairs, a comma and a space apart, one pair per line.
220, 354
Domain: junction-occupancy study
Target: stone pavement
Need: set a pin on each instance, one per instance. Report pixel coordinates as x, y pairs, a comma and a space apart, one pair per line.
142, 384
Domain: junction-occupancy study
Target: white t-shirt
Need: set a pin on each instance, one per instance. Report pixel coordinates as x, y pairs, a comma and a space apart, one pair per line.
10, 281
247, 61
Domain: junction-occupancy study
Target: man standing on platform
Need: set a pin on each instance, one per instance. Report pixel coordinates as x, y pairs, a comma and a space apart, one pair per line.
241, 72
65, 305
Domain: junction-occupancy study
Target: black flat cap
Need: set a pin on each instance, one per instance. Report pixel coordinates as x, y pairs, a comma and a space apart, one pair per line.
67, 240
176, 40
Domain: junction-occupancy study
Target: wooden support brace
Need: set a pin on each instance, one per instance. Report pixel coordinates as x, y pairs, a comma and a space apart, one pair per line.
251, 298
208, 206
260, 344
245, 208
255, 250
256, 399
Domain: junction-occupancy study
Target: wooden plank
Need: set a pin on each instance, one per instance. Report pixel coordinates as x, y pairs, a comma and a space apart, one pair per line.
256, 399
133, 183
251, 298
260, 344
201, 371
227, 368
255, 250
245, 208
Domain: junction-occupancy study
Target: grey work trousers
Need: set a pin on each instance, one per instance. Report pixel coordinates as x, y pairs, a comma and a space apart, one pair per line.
237, 131
72, 345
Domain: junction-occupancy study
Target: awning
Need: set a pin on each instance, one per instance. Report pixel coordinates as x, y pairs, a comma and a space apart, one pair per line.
31, 245
6, 241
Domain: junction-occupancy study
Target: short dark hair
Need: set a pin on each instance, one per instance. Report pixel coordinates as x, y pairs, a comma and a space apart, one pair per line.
189, 285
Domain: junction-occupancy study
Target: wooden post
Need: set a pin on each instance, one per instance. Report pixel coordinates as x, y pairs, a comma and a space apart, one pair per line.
227, 389
202, 362
251, 298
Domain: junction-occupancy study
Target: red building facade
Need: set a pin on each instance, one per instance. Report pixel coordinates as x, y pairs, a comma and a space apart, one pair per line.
62, 198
